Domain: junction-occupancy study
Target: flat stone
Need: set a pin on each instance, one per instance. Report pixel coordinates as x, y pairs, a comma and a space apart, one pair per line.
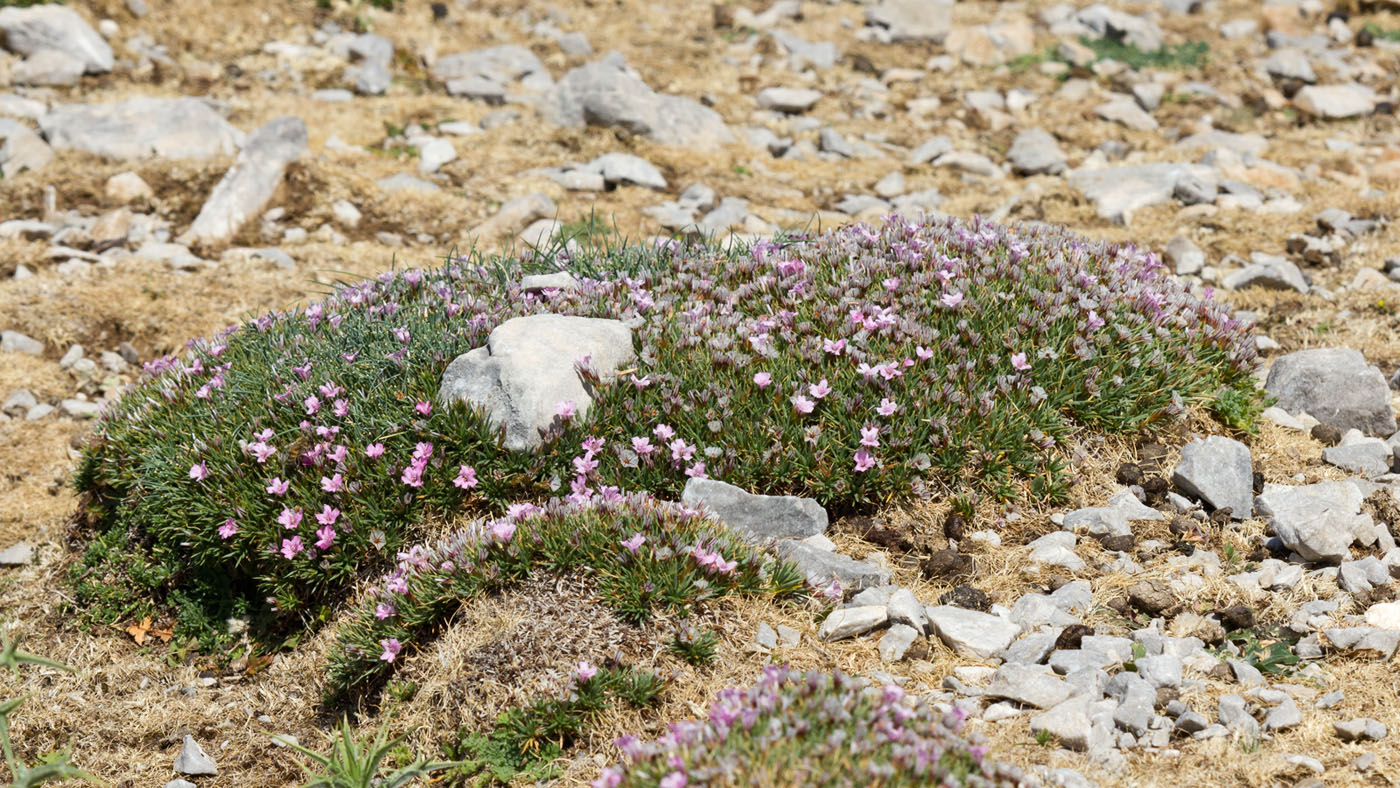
1360, 729
970, 634
514, 215
1336, 101
527, 369
1283, 716
47, 67
1317, 521
790, 100
249, 184
897, 641
1162, 670
15, 342
192, 761
18, 554
1369, 457
22, 149
1219, 472
1272, 272
930, 150
608, 93
1379, 642
820, 566
1031, 649
848, 622
433, 154
913, 20
1068, 722
1385, 615
500, 64
1036, 152
904, 608
1184, 256
29, 31
625, 168
1056, 549
1117, 192
1336, 386
1028, 685
756, 517
178, 128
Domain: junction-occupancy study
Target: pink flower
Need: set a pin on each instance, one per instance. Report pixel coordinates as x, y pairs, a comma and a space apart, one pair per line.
585, 671
1018, 360
676, 779
277, 486
802, 404
337, 454
697, 471
340, 408
423, 407
887, 407
762, 379
412, 475
391, 647
332, 484
565, 409
642, 446
923, 353
228, 529
834, 346
592, 445
610, 778
864, 461
951, 300
374, 450
642, 382
503, 530
262, 452
832, 591
635, 543
869, 436
329, 514
290, 547
384, 610
585, 465
289, 518
466, 477
312, 404
663, 432
1094, 320
325, 537
199, 472
819, 389
680, 450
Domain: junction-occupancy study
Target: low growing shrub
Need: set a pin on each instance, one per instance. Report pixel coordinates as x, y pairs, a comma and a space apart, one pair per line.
275, 462
809, 729
525, 741
645, 554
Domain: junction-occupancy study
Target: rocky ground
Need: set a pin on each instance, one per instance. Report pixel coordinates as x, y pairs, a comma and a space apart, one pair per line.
168, 171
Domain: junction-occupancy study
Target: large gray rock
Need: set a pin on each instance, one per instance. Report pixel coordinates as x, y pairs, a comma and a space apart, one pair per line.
1317, 521
527, 368
1117, 192
608, 93
1334, 385
1270, 271
1029, 685
192, 760
18, 554
21, 149
1066, 722
179, 128
500, 64
1109, 22
1336, 101
15, 342
31, 30
48, 67
1369, 457
626, 168
913, 20
970, 634
1036, 152
1220, 472
1111, 524
756, 517
1367, 640
851, 621
247, 186
820, 566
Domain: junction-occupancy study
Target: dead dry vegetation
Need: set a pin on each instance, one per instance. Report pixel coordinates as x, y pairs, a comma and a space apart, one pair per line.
127, 707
